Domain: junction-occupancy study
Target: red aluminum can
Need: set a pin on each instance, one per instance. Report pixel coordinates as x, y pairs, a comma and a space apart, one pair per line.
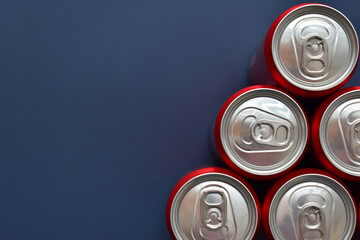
309, 204
213, 203
335, 133
310, 50
261, 132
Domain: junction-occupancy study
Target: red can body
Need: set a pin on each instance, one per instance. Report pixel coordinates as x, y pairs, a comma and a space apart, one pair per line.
209, 174
264, 70
281, 98
293, 176
317, 147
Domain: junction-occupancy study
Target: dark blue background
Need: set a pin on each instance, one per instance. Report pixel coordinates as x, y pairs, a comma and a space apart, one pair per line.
105, 105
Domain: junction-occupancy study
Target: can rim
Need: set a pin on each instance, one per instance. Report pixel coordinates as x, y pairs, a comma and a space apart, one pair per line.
324, 119
212, 170
232, 162
281, 185
281, 79
315, 136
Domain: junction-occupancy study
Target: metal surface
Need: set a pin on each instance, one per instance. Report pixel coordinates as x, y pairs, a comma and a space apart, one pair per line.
312, 206
340, 133
315, 47
213, 206
264, 131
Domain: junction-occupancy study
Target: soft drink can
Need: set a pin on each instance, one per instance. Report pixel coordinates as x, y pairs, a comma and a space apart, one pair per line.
261, 132
309, 204
310, 50
213, 203
335, 133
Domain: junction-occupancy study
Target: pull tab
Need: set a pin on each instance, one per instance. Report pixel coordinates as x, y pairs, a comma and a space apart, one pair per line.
315, 41
349, 122
315, 56
312, 222
261, 131
270, 132
213, 207
216, 215
311, 211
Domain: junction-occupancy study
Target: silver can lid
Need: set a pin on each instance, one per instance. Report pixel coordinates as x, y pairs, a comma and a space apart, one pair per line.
264, 131
214, 206
339, 133
315, 47
312, 206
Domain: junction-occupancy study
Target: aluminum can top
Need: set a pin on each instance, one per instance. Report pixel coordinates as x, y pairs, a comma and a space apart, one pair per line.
312, 206
213, 205
264, 131
315, 47
339, 132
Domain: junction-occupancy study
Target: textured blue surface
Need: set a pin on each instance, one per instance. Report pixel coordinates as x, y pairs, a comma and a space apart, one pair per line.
105, 105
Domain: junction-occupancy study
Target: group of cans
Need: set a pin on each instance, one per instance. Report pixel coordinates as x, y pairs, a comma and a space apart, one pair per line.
261, 132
